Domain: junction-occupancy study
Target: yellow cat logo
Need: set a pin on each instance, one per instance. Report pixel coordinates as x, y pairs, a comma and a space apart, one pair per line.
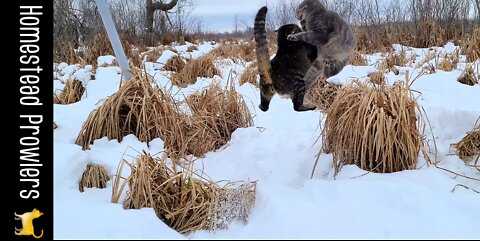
27, 224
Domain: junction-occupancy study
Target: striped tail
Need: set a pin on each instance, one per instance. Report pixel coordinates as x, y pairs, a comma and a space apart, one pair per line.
263, 57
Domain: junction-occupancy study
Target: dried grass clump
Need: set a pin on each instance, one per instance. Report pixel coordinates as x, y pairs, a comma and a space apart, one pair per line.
469, 147
236, 52
373, 39
201, 67
468, 76
94, 176
183, 200
72, 93
192, 48
428, 34
216, 114
148, 112
472, 46
139, 194
449, 62
430, 56
357, 59
428, 69
374, 127
175, 63
98, 46
153, 55
396, 59
249, 75
322, 94
139, 107
377, 77
65, 52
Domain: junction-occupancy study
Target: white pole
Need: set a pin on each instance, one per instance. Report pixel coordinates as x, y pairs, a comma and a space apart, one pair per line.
114, 39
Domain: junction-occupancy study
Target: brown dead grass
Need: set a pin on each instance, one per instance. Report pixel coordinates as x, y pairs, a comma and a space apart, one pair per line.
148, 112
469, 147
94, 176
322, 94
175, 63
138, 107
249, 75
373, 127
471, 46
395, 59
216, 114
201, 67
357, 59
428, 34
236, 52
98, 45
72, 93
468, 76
153, 55
192, 48
448, 62
377, 77
183, 200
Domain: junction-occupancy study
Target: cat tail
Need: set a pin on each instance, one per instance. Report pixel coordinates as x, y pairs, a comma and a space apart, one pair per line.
41, 234
263, 57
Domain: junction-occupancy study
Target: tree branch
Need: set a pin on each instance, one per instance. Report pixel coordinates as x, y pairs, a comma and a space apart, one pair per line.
164, 6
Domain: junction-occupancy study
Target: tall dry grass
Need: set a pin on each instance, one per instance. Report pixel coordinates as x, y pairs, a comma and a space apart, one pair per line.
98, 45
203, 66
469, 147
216, 113
357, 59
471, 46
94, 176
185, 201
72, 92
249, 75
175, 63
236, 52
139, 107
468, 76
374, 127
322, 94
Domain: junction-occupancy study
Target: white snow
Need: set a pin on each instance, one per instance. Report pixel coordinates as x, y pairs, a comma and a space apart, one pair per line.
105, 60
279, 152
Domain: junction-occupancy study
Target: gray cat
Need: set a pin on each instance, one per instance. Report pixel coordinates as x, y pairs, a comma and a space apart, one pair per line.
285, 72
327, 31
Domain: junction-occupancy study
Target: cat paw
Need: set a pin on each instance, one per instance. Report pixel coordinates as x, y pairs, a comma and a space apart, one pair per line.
263, 108
293, 37
304, 108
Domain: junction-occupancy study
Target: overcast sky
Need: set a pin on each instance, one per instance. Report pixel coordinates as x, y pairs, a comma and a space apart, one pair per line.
219, 15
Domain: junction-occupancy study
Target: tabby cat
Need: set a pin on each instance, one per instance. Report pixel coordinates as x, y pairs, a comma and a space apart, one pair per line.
329, 33
284, 73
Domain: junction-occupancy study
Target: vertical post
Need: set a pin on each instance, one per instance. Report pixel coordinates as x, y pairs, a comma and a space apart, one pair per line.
114, 39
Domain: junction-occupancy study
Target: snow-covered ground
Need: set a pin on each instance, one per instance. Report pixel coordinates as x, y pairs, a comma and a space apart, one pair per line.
279, 152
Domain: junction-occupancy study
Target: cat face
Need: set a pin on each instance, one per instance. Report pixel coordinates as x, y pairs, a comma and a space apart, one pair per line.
36, 213
306, 5
286, 30
301, 11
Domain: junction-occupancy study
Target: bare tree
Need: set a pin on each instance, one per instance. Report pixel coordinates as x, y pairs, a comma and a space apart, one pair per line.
477, 4
151, 7
283, 12
236, 24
